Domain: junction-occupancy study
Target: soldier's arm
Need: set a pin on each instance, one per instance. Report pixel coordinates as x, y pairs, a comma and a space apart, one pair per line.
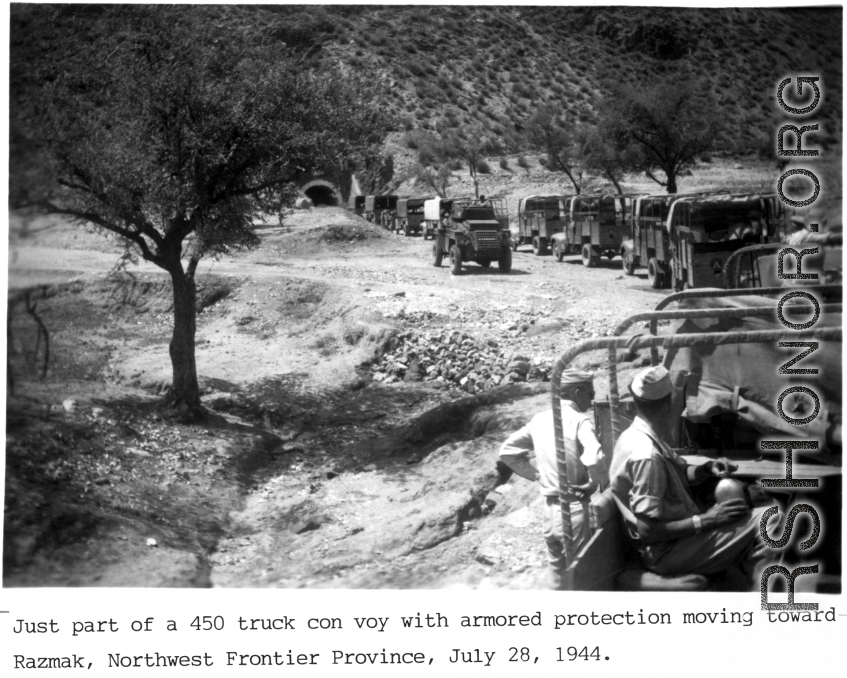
592, 455
646, 498
515, 453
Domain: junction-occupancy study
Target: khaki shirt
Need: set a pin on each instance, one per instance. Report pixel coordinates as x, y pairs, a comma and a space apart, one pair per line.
650, 480
582, 449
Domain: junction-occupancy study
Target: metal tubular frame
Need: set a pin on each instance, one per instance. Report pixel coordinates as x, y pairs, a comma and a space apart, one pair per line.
639, 342
730, 274
707, 292
679, 314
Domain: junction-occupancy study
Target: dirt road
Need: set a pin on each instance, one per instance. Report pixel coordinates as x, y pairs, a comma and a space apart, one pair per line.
314, 474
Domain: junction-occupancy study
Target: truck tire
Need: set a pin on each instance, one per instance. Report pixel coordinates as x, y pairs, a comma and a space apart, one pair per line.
558, 251
655, 274
455, 260
485, 263
628, 260
406, 230
539, 246
666, 274
589, 256
679, 284
515, 243
504, 263
437, 254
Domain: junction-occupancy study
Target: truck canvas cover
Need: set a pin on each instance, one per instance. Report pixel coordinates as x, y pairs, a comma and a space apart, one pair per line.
744, 380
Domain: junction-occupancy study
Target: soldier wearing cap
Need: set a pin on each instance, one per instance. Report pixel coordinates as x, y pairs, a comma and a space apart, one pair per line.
801, 234
586, 465
652, 486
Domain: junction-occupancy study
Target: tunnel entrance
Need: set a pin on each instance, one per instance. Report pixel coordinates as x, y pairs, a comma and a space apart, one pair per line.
321, 195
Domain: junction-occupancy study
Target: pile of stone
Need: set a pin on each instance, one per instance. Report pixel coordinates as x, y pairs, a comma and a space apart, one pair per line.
455, 360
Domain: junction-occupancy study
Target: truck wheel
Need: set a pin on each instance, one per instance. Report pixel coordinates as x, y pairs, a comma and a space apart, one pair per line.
666, 274
504, 263
589, 257
515, 243
628, 263
455, 260
654, 273
437, 254
485, 263
558, 251
676, 283
537, 246
406, 230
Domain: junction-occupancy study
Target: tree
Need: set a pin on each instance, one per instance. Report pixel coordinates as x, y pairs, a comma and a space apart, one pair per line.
600, 156
377, 174
436, 178
659, 128
470, 151
547, 132
158, 123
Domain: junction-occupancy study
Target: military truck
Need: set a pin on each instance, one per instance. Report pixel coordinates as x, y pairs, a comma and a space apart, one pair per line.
594, 225
380, 209
501, 211
723, 349
539, 219
357, 204
472, 232
410, 215
648, 243
704, 231
436, 212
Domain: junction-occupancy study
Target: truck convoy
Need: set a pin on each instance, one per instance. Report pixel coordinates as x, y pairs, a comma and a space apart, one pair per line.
380, 209
684, 241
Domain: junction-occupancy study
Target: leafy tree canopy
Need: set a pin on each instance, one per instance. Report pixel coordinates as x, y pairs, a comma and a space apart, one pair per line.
548, 132
659, 128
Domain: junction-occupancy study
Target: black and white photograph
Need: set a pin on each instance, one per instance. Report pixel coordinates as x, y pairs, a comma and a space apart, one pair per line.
471, 298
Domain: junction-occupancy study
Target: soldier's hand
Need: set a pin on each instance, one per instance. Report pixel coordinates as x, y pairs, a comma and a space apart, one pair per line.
583, 491
722, 467
724, 513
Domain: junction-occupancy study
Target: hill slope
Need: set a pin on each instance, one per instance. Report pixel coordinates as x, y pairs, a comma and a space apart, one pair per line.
448, 67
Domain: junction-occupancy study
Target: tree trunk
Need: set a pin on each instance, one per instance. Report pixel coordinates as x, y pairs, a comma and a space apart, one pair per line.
612, 178
185, 391
671, 182
576, 186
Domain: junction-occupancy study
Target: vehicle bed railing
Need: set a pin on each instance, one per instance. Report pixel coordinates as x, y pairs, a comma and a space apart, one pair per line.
731, 269
709, 292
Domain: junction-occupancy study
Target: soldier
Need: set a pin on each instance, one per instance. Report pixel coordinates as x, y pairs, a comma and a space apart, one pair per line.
801, 235
586, 465
653, 488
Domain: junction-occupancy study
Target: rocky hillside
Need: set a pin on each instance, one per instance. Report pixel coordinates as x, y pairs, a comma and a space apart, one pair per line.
451, 67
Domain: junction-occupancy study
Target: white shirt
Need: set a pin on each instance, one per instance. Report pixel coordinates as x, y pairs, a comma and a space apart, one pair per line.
582, 448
